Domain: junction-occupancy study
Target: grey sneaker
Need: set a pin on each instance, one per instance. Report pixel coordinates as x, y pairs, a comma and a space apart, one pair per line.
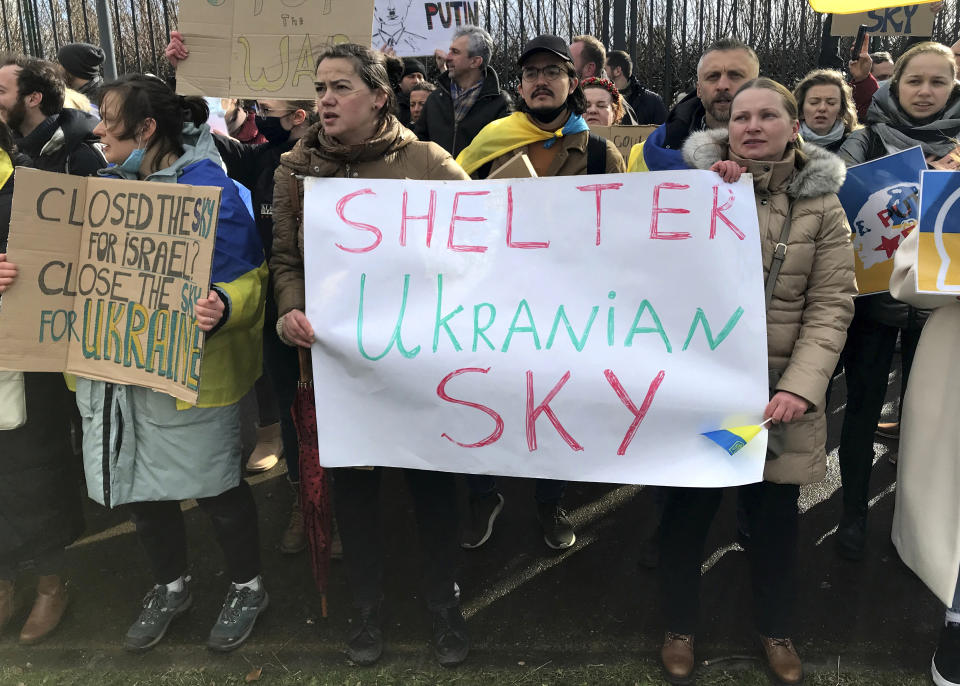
160, 607
240, 610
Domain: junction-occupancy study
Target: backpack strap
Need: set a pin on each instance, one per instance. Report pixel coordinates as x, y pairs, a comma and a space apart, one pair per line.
779, 255
596, 154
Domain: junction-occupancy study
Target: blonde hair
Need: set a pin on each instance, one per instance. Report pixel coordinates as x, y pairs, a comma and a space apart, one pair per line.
789, 105
76, 101
830, 77
927, 48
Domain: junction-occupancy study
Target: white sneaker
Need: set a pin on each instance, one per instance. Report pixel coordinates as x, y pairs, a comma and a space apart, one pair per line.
268, 450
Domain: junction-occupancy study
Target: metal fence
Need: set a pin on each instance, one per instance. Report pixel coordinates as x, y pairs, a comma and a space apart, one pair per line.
666, 37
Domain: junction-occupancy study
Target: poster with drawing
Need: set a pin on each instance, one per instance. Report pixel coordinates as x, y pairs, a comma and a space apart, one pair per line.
413, 28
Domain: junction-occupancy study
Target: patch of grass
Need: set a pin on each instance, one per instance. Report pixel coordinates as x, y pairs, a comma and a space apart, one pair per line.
399, 673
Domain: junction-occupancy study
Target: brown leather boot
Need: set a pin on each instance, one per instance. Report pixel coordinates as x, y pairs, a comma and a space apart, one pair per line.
6, 602
294, 538
47, 610
783, 660
677, 658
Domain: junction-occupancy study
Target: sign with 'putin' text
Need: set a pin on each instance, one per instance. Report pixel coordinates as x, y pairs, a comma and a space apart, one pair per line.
109, 271
585, 328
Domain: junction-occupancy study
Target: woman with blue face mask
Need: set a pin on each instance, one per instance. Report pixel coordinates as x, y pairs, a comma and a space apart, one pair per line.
172, 452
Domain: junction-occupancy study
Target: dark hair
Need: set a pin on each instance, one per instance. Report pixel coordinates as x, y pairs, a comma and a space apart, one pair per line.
39, 76
308, 106
424, 86
395, 69
619, 58
576, 101
726, 45
144, 96
881, 56
370, 67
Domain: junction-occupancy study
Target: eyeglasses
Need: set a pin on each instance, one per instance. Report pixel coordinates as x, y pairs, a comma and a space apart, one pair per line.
552, 72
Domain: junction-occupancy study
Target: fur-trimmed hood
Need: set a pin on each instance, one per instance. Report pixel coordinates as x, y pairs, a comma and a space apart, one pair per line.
822, 173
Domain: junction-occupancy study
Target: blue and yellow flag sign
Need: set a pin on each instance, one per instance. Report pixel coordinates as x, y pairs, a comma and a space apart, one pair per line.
939, 240
853, 6
882, 201
735, 438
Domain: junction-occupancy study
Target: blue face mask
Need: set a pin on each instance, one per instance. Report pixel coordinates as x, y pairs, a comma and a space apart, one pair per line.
131, 165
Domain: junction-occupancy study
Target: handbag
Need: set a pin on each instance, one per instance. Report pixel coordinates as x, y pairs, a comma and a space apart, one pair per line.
13, 401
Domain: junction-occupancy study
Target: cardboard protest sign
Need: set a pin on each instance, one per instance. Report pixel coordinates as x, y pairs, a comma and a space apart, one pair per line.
264, 48
908, 20
625, 137
415, 27
109, 273
882, 202
939, 240
585, 327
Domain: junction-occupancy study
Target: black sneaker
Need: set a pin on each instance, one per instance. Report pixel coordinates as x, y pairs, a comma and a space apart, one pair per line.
945, 667
160, 607
851, 537
365, 645
484, 510
240, 610
451, 644
557, 529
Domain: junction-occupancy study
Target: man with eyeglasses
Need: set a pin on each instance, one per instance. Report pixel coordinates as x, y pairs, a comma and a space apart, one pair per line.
549, 128
468, 97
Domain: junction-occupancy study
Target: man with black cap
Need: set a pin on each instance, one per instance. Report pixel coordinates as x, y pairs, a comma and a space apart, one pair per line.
413, 74
549, 128
82, 62
468, 97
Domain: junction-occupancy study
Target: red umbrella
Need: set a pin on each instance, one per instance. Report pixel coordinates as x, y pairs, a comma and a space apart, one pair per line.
314, 481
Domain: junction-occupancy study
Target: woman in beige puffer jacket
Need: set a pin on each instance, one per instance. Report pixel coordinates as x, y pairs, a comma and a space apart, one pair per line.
811, 306
358, 137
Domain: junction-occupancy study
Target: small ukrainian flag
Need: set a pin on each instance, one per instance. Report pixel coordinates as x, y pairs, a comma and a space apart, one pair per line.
734, 439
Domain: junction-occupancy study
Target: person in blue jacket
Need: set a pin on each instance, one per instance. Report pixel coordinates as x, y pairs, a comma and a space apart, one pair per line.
168, 451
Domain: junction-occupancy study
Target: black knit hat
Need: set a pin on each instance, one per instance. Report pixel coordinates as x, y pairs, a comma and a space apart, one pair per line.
82, 60
412, 65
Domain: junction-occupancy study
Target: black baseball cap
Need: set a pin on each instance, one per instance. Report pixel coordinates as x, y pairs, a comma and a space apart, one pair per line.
546, 43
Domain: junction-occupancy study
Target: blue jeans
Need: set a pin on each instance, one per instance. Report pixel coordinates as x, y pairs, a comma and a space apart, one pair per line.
548, 491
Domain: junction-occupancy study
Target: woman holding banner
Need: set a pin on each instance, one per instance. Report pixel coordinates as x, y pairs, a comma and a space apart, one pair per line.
145, 449
40, 500
359, 137
919, 105
810, 288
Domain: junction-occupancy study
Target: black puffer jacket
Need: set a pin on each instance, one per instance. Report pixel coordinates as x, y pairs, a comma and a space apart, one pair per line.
648, 107
65, 143
437, 123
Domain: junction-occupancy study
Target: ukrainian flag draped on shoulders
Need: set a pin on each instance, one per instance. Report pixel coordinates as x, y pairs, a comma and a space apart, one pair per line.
652, 155
502, 136
233, 353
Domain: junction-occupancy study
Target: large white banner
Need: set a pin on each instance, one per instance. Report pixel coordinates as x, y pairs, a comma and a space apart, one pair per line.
587, 328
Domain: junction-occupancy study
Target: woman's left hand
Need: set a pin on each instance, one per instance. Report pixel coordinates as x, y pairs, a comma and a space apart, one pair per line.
8, 273
785, 407
728, 170
209, 311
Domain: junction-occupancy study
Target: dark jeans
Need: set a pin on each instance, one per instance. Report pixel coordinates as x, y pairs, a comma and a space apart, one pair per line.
357, 493
866, 361
233, 514
282, 367
547, 490
772, 516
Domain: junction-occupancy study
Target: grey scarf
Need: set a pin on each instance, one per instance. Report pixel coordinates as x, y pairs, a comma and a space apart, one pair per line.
899, 131
831, 136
